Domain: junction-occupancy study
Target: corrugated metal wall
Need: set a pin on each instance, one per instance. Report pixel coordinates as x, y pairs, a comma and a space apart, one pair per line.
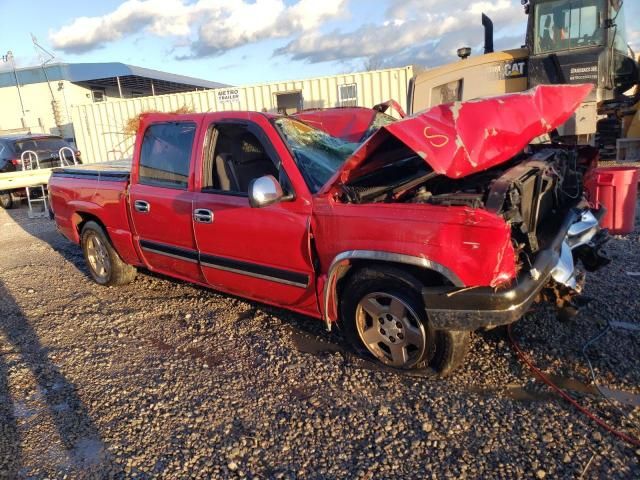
99, 126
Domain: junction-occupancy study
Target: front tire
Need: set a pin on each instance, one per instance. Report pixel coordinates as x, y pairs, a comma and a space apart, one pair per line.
384, 317
104, 264
6, 200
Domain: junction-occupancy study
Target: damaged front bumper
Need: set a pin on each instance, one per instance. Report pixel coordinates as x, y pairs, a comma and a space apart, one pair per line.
580, 236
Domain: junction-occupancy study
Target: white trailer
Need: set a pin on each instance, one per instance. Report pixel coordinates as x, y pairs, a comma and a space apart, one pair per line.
24, 179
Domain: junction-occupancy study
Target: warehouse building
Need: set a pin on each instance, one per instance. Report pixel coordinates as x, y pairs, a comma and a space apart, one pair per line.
91, 104
102, 131
41, 99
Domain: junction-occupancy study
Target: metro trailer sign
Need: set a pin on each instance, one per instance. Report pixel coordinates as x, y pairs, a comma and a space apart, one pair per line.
229, 95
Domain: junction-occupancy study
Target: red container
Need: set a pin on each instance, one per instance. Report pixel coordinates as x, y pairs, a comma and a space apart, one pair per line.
617, 189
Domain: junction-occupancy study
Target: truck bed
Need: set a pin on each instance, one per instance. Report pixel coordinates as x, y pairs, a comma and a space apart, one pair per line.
119, 169
96, 193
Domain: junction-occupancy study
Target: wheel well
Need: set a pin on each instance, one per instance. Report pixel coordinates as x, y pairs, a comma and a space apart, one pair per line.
426, 277
88, 217
85, 218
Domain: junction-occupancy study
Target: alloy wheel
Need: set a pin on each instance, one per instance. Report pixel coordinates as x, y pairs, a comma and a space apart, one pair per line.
98, 257
390, 330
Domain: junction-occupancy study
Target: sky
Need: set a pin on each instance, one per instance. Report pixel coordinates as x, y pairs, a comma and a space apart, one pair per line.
255, 41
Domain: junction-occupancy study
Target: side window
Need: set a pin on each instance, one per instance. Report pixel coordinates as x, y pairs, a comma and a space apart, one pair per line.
289, 103
562, 25
238, 158
447, 93
348, 95
165, 156
98, 94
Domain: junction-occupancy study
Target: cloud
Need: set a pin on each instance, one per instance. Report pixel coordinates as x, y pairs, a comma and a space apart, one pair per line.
210, 26
425, 32
416, 31
159, 17
247, 23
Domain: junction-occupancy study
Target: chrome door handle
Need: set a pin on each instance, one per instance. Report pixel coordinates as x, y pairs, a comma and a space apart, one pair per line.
202, 215
142, 206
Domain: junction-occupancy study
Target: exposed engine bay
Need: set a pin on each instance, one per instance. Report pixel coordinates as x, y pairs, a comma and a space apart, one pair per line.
533, 193
527, 191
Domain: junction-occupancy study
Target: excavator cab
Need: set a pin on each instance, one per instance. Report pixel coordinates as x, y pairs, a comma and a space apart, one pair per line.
567, 42
581, 41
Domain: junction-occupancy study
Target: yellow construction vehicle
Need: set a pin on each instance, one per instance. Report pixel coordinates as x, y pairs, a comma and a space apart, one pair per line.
567, 42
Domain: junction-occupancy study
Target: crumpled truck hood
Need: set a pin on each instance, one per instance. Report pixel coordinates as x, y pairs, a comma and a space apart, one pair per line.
463, 138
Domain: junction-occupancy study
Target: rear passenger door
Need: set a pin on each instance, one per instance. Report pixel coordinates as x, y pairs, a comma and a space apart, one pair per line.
260, 253
161, 201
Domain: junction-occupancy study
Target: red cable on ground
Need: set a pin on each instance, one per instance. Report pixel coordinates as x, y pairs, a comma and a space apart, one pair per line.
627, 438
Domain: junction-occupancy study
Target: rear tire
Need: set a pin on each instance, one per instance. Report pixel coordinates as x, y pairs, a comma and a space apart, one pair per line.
104, 264
371, 296
6, 200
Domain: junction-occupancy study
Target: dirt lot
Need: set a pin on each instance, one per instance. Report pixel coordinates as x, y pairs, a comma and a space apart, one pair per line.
163, 379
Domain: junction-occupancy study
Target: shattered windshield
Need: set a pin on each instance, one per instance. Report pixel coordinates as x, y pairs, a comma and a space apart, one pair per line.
379, 121
317, 154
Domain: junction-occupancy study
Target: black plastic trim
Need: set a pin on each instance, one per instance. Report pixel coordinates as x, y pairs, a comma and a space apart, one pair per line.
169, 250
163, 184
229, 193
260, 271
278, 275
91, 174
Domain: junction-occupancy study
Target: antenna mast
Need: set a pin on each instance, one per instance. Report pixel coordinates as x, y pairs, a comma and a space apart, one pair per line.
55, 106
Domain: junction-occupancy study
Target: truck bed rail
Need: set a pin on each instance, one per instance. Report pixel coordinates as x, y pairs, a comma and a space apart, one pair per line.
116, 170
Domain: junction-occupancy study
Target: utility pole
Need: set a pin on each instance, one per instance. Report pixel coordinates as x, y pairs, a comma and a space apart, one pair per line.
8, 58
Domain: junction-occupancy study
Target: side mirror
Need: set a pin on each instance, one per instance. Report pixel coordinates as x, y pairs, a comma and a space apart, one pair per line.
264, 191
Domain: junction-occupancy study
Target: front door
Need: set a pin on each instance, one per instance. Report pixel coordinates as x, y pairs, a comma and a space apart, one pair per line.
261, 253
161, 203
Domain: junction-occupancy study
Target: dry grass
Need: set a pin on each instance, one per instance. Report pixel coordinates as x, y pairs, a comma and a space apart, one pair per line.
131, 126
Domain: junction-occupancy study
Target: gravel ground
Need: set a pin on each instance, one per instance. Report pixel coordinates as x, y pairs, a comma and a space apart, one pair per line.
163, 379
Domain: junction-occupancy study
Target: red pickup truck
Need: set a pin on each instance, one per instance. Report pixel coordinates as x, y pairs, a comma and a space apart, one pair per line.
410, 233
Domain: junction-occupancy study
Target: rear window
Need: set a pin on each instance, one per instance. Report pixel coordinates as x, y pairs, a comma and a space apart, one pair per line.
43, 147
165, 156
